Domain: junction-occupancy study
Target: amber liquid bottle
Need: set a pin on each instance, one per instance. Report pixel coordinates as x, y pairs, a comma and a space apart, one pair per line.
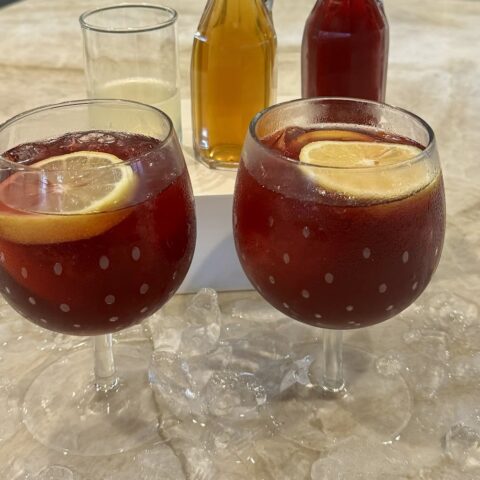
345, 50
233, 77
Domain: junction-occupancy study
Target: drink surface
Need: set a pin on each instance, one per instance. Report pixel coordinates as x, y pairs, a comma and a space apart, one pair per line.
323, 257
233, 76
345, 50
133, 262
146, 90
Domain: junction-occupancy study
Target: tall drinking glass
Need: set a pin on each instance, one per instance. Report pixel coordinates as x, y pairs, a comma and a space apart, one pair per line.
131, 52
97, 231
339, 220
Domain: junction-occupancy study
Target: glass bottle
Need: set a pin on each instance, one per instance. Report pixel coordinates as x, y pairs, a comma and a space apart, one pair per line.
345, 50
233, 76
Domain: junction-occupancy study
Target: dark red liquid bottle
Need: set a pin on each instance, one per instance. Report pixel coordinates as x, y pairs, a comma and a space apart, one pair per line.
345, 50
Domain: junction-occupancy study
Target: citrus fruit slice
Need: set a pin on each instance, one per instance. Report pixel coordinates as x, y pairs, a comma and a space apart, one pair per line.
65, 198
366, 169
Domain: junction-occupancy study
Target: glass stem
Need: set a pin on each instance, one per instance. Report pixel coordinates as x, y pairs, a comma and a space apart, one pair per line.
105, 375
332, 380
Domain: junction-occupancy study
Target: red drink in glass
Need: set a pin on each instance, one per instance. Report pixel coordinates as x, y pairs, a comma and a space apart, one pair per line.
110, 269
345, 50
328, 259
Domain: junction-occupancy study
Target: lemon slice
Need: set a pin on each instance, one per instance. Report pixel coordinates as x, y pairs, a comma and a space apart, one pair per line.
366, 170
66, 198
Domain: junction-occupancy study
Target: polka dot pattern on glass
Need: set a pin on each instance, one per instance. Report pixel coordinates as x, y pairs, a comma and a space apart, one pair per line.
349, 308
64, 308
144, 288
113, 319
270, 221
32, 300
286, 305
306, 232
366, 253
58, 269
329, 278
110, 299
382, 288
136, 254
271, 279
405, 257
286, 258
24, 272
305, 294
414, 286
104, 262
144, 309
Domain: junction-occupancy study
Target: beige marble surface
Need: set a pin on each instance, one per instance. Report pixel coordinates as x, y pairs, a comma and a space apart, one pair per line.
434, 70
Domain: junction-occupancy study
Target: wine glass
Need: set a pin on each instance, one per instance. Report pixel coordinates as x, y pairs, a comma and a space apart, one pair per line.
97, 232
339, 221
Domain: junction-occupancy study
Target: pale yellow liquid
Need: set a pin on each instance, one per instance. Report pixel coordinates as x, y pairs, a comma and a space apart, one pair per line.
146, 90
233, 77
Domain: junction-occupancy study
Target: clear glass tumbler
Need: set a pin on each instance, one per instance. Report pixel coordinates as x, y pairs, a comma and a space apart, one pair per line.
131, 52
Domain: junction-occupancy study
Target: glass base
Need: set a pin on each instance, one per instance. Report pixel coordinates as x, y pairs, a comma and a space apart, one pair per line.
225, 157
63, 411
371, 404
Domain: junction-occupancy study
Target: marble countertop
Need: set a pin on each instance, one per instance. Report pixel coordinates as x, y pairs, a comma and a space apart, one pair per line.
433, 71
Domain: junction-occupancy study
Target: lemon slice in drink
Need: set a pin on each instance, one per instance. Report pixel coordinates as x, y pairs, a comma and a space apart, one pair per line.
366, 170
66, 198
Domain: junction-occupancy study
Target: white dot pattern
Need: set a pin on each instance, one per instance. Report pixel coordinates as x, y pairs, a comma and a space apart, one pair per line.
24, 272
389, 308
286, 305
2, 257
32, 300
271, 279
104, 262
270, 221
306, 232
57, 269
136, 254
405, 257
366, 252
349, 308
144, 288
382, 288
110, 299
317, 315
7, 290
43, 320
305, 294
415, 286
113, 319
329, 278
64, 308
144, 309
76, 325
286, 258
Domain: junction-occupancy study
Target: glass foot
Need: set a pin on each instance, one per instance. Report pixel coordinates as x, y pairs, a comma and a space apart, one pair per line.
373, 403
63, 411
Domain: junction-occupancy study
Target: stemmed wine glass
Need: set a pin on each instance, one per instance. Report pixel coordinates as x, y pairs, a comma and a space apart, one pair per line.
97, 231
339, 221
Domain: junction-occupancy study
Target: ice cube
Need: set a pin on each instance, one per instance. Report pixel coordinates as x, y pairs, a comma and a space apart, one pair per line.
234, 394
203, 317
462, 445
452, 313
174, 385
